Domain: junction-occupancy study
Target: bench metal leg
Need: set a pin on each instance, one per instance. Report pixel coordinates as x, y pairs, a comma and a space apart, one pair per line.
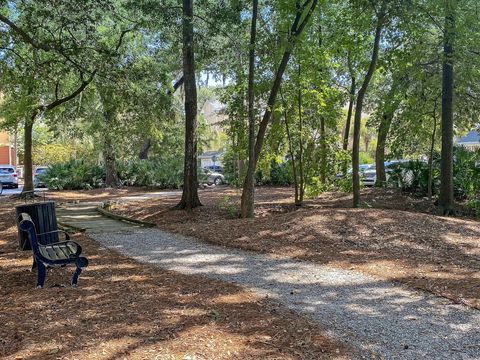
42, 273
81, 263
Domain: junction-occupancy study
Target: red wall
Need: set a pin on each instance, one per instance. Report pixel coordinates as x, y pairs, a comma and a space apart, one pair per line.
4, 158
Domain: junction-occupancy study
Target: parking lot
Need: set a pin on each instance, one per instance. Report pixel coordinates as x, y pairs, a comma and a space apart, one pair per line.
7, 191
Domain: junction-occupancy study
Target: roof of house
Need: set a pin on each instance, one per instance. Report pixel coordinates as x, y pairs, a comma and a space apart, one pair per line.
472, 137
208, 154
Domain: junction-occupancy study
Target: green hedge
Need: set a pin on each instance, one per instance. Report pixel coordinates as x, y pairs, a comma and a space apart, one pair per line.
80, 174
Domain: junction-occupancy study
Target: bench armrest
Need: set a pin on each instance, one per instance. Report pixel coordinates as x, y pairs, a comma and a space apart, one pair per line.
67, 235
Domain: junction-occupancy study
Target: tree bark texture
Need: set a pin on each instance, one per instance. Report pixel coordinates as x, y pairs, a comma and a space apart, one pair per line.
323, 151
27, 154
248, 194
301, 19
446, 200
109, 115
190, 198
430, 156
358, 110
351, 102
290, 149
383, 131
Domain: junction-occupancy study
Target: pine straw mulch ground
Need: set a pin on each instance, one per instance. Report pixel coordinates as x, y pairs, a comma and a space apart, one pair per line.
124, 309
392, 236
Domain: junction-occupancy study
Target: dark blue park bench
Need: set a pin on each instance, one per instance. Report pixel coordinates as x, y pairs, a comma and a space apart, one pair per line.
53, 254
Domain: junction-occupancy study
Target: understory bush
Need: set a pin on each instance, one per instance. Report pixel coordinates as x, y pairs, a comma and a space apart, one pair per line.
74, 174
412, 177
81, 174
163, 174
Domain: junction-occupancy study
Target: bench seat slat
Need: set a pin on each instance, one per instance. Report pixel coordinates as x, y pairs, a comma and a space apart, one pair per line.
57, 252
53, 254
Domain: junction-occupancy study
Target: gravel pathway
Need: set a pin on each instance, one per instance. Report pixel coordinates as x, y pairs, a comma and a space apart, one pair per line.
372, 315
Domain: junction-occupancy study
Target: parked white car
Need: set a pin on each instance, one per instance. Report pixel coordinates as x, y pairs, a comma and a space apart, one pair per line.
370, 175
8, 176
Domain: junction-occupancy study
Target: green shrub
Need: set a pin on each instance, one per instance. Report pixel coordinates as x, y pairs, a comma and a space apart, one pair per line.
230, 169
281, 174
315, 187
345, 183
466, 176
163, 174
412, 176
74, 174
474, 204
80, 174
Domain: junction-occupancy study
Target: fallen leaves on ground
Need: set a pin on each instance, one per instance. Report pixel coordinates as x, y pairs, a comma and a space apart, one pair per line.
126, 310
395, 237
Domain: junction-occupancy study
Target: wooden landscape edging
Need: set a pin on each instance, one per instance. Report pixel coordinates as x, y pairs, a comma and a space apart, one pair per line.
111, 215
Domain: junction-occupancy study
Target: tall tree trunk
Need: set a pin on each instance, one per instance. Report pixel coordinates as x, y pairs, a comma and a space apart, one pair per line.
359, 106
111, 178
446, 200
190, 198
351, 102
248, 194
323, 151
430, 157
292, 154
390, 106
383, 131
27, 154
27, 160
301, 20
109, 115
300, 122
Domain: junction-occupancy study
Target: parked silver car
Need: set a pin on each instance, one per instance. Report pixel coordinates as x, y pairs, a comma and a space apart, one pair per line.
370, 175
210, 177
8, 176
37, 176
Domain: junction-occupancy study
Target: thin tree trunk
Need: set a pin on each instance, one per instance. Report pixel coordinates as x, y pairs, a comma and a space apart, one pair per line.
290, 149
446, 200
248, 194
27, 154
323, 151
190, 198
430, 158
300, 121
351, 102
301, 20
383, 131
109, 114
111, 178
390, 106
358, 109
15, 144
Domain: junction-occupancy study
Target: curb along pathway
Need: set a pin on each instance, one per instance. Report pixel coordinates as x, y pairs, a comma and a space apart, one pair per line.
85, 216
372, 315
